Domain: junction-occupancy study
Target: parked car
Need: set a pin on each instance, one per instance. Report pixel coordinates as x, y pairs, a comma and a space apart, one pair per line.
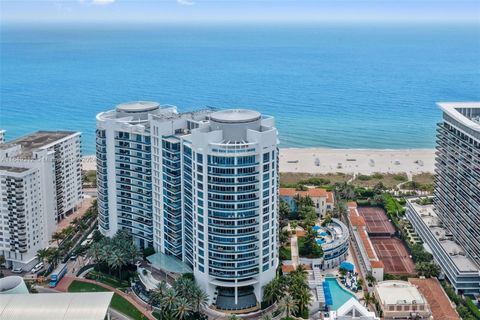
37, 267
74, 257
17, 270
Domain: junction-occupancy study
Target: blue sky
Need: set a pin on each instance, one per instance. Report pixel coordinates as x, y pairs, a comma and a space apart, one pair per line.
239, 10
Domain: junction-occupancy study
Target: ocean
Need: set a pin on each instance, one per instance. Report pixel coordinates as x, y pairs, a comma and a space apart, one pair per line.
328, 85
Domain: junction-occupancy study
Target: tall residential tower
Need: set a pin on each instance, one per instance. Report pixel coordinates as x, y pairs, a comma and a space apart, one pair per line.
212, 192
457, 183
451, 227
40, 183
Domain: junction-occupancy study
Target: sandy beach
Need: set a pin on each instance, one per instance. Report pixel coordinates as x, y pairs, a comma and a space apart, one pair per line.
89, 163
360, 161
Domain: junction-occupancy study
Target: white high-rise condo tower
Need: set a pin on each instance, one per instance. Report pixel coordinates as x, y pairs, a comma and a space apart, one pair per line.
214, 193
40, 183
451, 227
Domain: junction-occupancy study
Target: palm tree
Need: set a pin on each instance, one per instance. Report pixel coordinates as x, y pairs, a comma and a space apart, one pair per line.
368, 298
116, 261
289, 305
370, 278
182, 309
43, 254
303, 298
233, 317
158, 293
169, 301
95, 250
274, 290
199, 298
53, 256
266, 316
184, 287
284, 210
57, 236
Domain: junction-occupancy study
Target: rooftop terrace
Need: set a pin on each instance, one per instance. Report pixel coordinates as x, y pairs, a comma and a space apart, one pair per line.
13, 169
444, 237
36, 141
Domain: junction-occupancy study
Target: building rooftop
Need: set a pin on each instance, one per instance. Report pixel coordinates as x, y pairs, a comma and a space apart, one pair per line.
13, 169
138, 106
437, 298
467, 113
55, 306
311, 192
456, 252
398, 292
235, 116
36, 141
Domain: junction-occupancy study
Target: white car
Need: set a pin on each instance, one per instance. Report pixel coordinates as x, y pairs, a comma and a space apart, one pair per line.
17, 270
37, 267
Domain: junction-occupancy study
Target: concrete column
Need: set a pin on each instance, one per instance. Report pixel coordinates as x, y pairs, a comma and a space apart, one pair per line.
236, 295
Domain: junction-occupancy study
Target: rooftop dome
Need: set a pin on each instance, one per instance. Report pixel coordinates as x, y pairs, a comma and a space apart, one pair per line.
138, 106
235, 116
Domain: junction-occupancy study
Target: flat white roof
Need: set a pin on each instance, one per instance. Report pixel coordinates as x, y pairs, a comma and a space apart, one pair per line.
459, 111
235, 116
55, 306
138, 106
434, 224
398, 292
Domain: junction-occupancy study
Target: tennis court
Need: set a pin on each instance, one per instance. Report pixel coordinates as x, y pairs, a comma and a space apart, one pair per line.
394, 255
377, 221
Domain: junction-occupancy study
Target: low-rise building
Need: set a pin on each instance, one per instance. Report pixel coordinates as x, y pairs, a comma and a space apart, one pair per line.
438, 300
456, 265
401, 300
323, 200
368, 259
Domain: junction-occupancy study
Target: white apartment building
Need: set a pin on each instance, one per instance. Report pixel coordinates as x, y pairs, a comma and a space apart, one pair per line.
40, 182
461, 270
212, 192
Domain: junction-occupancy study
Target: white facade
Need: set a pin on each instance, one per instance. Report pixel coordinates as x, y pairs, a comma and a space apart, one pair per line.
401, 300
456, 265
40, 181
214, 193
124, 171
2, 136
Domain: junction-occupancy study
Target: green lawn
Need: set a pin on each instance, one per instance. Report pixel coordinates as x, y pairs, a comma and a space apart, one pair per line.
118, 303
107, 279
285, 253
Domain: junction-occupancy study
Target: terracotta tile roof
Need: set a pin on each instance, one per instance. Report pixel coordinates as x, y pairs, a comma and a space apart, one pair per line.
357, 221
287, 192
377, 264
366, 244
287, 268
313, 192
436, 297
351, 204
329, 197
301, 233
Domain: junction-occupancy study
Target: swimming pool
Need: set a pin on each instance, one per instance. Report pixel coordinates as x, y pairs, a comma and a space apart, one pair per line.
335, 295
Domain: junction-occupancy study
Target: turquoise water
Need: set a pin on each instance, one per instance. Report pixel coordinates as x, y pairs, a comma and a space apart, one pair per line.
354, 86
338, 294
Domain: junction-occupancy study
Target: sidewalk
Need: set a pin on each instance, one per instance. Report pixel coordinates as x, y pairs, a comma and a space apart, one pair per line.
294, 249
